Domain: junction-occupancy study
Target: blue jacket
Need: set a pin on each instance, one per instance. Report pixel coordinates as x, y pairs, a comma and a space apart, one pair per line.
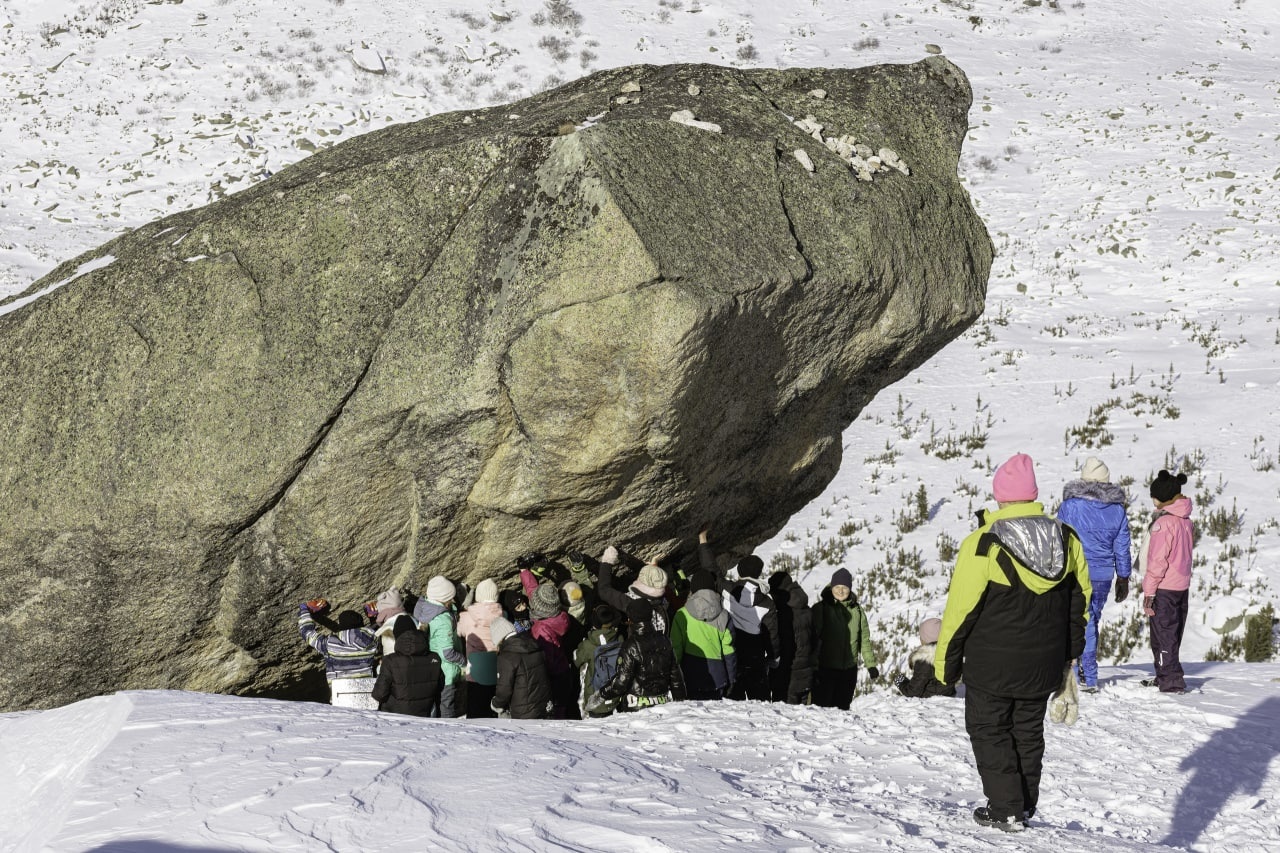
1095, 511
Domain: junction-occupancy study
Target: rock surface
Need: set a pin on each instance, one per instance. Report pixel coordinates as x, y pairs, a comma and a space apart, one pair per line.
557, 323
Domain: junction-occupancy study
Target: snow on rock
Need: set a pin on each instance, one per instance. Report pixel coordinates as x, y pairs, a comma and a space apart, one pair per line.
81, 270
367, 58
686, 117
43, 758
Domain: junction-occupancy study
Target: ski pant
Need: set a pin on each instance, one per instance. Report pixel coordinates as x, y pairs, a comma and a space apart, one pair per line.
753, 666
1166, 637
1089, 658
450, 703
478, 698
834, 687
1007, 736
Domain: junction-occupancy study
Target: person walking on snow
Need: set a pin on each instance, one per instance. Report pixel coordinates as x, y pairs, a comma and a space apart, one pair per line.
1094, 508
434, 614
1166, 578
1015, 616
349, 656
843, 636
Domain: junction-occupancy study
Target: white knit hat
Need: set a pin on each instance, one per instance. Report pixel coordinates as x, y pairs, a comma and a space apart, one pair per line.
1094, 471
487, 590
441, 590
499, 630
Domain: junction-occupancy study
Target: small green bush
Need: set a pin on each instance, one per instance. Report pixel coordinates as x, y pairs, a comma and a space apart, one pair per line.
1259, 636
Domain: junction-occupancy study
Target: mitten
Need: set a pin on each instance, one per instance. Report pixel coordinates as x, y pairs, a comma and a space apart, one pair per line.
1149, 605
1122, 589
317, 605
371, 609
576, 557
873, 671
610, 556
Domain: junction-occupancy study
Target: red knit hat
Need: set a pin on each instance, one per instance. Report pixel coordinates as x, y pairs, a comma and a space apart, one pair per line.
1015, 480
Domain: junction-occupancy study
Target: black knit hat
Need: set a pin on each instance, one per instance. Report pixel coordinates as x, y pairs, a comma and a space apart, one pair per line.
349, 620
1165, 487
750, 566
604, 614
701, 579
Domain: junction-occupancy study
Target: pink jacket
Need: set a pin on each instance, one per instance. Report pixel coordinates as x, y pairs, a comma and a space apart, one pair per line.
473, 626
1169, 549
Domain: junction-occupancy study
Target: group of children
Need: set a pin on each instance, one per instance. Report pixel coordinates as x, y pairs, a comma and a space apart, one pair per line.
584, 638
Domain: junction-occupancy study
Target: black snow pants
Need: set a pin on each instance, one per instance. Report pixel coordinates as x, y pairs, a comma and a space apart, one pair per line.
1007, 735
1166, 637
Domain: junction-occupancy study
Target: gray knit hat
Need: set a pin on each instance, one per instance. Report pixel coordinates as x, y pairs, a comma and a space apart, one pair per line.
545, 602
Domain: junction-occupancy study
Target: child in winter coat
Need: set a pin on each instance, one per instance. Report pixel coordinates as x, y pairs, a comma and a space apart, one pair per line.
349, 657
649, 588
410, 679
434, 614
843, 636
648, 673
597, 659
1094, 508
392, 620
923, 683
523, 691
515, 609
703, 645
793, 679
482, 655
551, 625
1166, 562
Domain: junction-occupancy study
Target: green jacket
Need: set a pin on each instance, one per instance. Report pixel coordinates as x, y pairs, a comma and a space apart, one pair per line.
1017, 605
584, 658
843, 633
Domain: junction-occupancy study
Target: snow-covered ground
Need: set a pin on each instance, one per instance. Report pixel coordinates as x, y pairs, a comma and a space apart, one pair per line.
155, 771
1123, 154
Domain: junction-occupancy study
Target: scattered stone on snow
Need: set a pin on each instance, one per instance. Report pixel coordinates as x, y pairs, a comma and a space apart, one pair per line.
932, 48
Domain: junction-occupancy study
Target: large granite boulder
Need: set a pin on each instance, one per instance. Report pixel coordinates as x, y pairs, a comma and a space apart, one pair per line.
556, 324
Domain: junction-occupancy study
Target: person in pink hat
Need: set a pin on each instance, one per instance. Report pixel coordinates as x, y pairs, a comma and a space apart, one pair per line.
1015, 616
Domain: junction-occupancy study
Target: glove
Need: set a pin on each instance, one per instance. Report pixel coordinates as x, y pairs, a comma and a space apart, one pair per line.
576, 557
371, 609
1149, 605
610, 556
873, 671
1122, 589
317, 605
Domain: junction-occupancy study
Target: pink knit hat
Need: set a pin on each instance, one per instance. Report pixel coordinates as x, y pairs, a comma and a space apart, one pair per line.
1015, 480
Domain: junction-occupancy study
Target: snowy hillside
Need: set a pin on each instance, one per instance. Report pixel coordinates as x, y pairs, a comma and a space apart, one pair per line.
158, 771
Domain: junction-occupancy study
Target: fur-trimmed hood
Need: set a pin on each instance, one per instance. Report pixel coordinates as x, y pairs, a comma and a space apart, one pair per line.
1090, 490
922, 654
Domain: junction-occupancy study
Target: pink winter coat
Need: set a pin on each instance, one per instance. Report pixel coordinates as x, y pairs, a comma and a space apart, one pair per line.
1168, 564
473, 626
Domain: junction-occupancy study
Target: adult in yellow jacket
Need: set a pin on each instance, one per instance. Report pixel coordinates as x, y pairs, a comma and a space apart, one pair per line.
1015, 616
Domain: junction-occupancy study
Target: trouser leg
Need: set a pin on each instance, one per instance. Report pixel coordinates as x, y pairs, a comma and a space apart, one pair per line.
1089, 658
989, 721
1028, 738
1167, 627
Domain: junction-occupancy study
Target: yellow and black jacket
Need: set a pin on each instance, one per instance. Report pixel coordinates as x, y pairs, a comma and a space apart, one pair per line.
1017, 605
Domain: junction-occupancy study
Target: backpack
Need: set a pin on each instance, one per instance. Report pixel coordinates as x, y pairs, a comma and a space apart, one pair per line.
604, 662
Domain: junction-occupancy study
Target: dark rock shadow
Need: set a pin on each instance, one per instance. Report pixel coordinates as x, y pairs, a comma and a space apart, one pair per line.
1233, 761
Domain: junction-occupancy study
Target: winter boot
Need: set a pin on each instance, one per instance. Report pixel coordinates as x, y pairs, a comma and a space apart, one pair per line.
1008, 824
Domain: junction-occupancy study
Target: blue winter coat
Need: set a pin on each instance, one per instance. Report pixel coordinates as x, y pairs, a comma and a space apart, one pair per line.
1096, 512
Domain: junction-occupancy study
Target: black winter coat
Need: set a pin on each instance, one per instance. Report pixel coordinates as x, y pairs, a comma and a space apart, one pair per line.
657, 610
646, 667
524, 687
795, 625
410, 680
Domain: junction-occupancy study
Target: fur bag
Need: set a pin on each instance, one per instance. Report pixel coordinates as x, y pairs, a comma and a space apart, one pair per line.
1064, 707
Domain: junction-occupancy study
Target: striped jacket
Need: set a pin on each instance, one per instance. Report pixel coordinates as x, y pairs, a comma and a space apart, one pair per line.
350, 654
